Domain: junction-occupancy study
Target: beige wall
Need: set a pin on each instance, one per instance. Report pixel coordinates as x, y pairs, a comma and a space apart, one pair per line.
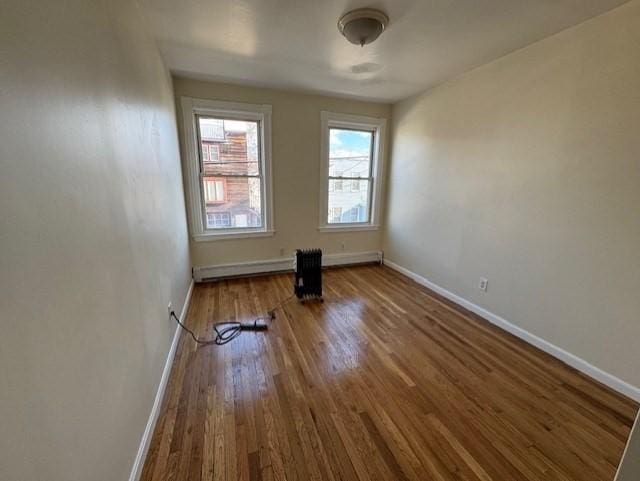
93, 241
527, 171
296, 173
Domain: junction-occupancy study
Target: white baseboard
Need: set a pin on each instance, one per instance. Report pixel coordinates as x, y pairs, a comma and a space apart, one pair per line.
581, 365
136, 471
279, 265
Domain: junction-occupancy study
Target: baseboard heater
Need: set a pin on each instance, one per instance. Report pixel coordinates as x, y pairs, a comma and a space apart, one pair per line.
307, 266
252, 268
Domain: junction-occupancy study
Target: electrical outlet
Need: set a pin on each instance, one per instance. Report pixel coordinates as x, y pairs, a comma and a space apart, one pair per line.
170, 309
343, 245
281, 251
483, 284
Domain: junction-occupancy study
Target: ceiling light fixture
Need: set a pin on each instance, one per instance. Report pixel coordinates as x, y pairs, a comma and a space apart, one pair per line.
362, 26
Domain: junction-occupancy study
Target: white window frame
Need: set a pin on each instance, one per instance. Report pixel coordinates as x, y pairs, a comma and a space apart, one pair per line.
376, 125
191, 108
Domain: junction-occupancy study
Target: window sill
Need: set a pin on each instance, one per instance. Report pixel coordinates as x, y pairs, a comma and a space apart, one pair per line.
209, 237
348, 227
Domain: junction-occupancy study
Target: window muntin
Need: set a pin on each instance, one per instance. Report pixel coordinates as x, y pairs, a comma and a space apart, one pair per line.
351, 154
232, 178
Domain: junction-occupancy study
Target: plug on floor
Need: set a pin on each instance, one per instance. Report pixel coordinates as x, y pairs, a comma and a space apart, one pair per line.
258, 325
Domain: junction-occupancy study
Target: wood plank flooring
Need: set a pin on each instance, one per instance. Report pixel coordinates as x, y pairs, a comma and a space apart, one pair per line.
384, 381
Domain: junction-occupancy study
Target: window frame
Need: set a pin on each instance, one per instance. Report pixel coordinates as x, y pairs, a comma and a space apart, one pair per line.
191, 109
329, 120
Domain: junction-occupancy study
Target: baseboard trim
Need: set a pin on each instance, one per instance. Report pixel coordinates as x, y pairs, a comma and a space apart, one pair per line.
580, 364
278, 265
136, 471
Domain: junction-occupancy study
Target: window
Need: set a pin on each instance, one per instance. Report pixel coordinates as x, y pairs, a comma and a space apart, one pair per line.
354, 214
335, 214
219, 219
210, 152
214, 190
229, 168
214, 153
352, 154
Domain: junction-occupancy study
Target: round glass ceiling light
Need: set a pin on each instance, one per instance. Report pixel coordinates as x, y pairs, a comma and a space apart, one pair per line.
362, 26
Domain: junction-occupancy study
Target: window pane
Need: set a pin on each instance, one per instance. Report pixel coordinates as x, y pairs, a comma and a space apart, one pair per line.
238, 198
350, 204
232, 146
350, 152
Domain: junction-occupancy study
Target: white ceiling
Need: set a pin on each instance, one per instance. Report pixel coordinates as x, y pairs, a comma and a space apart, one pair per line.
296, 44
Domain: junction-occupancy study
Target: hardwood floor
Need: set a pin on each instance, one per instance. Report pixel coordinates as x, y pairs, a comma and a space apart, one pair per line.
384, 381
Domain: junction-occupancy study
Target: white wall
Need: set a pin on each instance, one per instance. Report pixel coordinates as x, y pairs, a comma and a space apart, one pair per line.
93, 241
295, 149
527, 171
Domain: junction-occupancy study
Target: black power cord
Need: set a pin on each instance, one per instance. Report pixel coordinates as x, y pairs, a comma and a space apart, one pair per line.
228, 331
